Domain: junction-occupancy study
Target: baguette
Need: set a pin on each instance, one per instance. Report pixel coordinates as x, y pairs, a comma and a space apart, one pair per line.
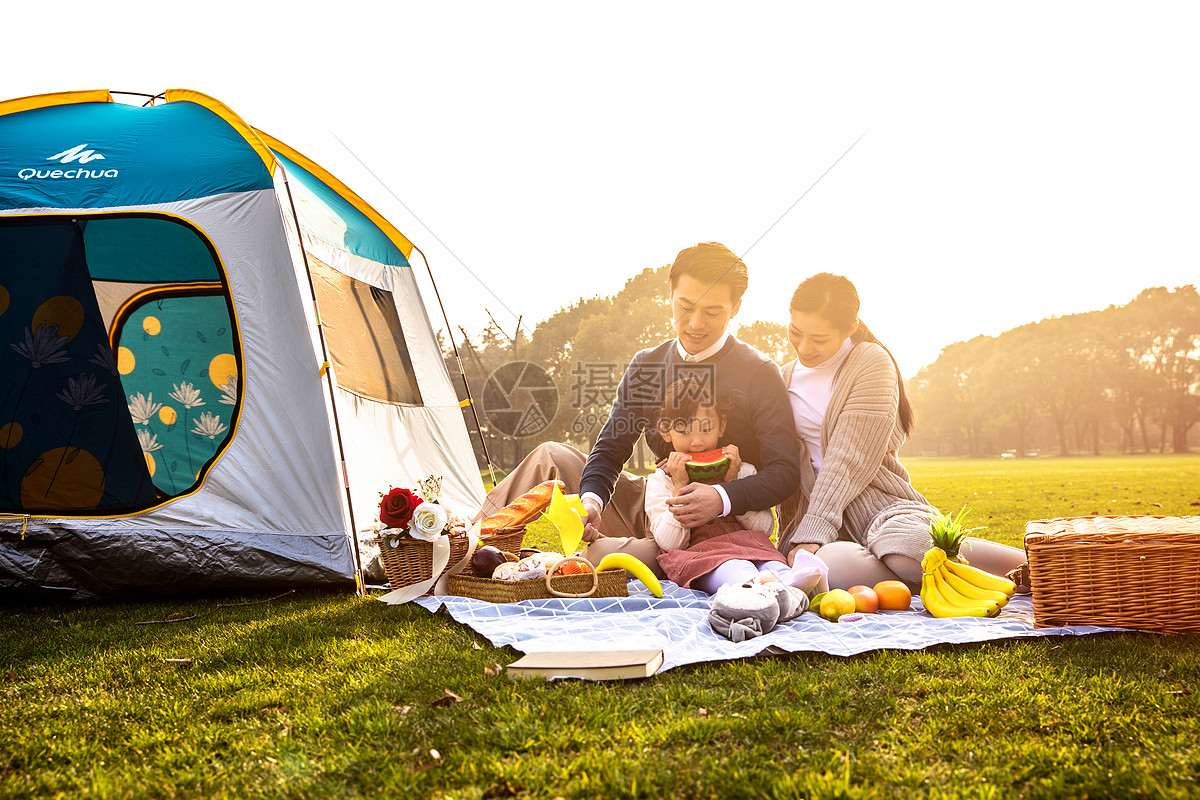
521, 510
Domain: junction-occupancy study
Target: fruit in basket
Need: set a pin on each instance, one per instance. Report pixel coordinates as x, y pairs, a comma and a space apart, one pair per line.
572, 568
866, 601
893, 595
485, 561
707, 465
953, 589
570, 565
633, 565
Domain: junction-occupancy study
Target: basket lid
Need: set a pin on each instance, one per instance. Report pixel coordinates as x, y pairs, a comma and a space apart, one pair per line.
1114, 529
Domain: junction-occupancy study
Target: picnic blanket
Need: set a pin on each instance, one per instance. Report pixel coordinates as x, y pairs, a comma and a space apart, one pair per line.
677, 623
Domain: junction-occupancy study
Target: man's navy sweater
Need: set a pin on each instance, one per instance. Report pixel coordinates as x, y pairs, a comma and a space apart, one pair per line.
760, 421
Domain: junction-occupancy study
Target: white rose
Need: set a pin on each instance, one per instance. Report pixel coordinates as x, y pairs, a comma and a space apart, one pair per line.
427, 522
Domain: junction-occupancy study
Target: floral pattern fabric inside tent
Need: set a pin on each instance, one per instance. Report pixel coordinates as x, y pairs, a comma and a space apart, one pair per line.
175, 355
125, 387
66, 439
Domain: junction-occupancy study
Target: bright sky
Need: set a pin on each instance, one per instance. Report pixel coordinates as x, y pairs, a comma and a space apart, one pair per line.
1021, 160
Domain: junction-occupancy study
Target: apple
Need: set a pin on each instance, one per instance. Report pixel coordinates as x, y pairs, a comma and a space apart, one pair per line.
485, 561
866, 601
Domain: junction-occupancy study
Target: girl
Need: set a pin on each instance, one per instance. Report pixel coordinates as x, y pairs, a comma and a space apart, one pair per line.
723, 551
852, 416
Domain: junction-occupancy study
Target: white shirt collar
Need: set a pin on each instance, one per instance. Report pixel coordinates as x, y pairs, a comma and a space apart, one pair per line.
837, 358
703, 354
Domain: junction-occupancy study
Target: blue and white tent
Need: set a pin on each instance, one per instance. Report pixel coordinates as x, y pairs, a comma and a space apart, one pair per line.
213, 355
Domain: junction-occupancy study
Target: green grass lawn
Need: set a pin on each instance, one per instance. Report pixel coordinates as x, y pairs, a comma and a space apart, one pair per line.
320, 694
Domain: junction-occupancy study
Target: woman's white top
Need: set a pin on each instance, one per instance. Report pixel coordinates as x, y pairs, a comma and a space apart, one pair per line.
669, 534
809, 393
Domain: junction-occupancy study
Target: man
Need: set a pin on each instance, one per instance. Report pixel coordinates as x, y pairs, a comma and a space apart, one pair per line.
707, 283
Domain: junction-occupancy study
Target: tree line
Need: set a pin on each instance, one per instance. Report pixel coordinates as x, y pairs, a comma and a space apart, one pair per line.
583, 348
1124, 378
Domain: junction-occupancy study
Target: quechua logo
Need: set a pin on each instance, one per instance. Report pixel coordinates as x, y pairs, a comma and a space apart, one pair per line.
76, 153
73, 158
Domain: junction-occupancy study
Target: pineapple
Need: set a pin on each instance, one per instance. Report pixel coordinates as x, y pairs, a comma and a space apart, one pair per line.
948, 533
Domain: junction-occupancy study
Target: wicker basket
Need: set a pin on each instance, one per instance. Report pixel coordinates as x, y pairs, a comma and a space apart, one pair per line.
610, 583
1127, 572
507, 539
411, 561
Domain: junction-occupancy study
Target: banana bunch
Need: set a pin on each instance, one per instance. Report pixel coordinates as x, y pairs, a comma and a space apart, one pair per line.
952, 589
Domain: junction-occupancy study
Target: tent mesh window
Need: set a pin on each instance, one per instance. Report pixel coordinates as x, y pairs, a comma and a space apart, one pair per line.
119, 378
366, 343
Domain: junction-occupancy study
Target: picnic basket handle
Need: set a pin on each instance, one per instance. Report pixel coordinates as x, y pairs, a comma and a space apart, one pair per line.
550, 574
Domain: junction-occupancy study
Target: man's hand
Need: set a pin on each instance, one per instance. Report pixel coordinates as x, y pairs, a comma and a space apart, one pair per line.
696, 504
590, 534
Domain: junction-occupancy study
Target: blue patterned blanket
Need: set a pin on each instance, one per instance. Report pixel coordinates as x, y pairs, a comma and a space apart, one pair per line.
678, 624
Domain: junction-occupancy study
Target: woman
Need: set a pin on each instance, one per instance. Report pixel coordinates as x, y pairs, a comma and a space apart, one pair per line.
852, 415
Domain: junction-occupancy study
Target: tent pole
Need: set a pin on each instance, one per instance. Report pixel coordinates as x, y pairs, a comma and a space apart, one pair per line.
458, 360
326, 371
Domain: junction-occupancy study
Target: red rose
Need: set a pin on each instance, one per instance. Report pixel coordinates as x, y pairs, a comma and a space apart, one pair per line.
397, 506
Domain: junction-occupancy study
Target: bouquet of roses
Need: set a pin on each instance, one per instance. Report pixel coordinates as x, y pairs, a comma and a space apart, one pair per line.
419, 516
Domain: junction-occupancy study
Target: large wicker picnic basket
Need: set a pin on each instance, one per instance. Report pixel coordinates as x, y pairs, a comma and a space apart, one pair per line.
1129, 572
411, 560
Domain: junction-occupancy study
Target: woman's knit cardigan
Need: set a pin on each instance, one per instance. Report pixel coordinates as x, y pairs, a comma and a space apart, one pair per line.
861, 476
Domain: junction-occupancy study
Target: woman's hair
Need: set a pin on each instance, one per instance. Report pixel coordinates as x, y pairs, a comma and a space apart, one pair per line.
712, 263
834, 299
683, 398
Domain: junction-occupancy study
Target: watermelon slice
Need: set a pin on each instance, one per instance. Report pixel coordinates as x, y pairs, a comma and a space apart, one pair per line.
707, 466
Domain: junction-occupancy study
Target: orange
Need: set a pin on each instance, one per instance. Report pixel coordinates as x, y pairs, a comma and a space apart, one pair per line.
866, 601
571, 568
893, 596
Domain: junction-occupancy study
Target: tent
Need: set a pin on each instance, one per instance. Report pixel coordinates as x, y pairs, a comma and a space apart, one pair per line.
214, 356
